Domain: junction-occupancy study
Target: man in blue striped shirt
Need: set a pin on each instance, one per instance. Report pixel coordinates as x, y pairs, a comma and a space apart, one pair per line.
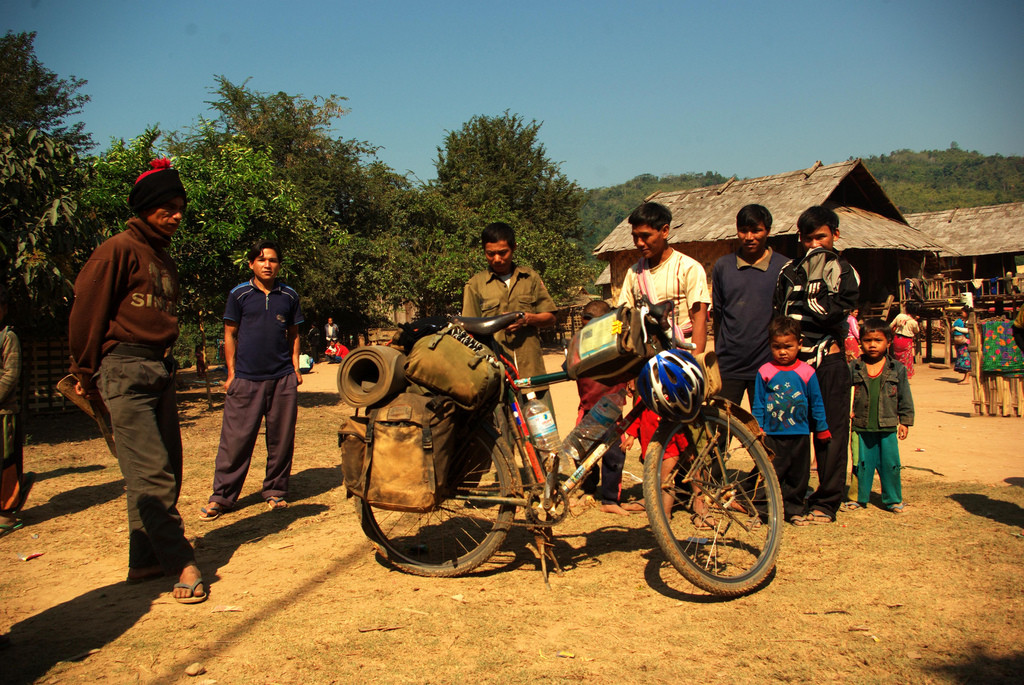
261, 348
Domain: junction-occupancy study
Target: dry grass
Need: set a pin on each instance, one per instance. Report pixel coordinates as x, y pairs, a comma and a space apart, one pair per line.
933, 595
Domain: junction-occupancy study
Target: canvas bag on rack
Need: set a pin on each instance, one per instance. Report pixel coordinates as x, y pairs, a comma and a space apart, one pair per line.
452, 362
406, 445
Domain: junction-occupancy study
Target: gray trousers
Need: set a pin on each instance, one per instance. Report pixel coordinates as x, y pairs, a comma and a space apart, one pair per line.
140, 395
246, 404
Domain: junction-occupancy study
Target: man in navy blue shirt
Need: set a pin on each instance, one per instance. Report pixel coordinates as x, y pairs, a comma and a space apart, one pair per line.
261, 348
742, 285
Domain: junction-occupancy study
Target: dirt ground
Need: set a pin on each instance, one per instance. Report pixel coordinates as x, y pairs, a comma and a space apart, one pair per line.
299, 595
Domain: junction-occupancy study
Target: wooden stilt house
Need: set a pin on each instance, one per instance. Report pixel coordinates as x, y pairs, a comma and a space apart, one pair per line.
987, 244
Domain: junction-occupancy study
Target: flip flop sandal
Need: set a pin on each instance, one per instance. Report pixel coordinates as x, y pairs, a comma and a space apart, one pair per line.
897, 508
195, 598
211, 511
6, 528
852, 506
818, 518
799, 521
277, 503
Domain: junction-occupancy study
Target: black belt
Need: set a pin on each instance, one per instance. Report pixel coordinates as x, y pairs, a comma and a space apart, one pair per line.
144, 351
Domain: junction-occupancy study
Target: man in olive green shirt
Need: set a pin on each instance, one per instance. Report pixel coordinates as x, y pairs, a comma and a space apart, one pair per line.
508, 287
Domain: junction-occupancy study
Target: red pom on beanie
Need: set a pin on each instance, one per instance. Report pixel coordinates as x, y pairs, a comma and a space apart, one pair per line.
157, 165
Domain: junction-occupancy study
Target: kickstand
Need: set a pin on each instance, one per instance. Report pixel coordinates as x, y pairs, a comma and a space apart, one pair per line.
545, 549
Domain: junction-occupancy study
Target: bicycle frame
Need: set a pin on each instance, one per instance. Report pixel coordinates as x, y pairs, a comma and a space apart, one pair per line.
514, 388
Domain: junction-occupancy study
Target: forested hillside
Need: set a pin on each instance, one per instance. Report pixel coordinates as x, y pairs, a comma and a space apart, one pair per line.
931, 180
604, 208
924, 181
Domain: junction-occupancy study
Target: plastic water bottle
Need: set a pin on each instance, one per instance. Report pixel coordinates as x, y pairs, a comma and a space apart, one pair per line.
593, 426
543, 429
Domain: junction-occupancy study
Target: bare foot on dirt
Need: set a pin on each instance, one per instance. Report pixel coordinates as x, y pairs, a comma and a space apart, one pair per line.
612, 508
190, 588
634, 506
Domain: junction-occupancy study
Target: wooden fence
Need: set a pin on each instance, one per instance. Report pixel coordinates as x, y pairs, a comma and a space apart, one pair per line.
43, 363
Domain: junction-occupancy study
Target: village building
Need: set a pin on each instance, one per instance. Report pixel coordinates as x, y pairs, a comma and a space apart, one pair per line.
987, 248
874, 236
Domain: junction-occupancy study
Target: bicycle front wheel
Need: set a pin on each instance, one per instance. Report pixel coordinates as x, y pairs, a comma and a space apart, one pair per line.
463, 531
717, 515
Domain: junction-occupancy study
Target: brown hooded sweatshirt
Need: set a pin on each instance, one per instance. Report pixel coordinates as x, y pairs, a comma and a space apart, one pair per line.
126, 292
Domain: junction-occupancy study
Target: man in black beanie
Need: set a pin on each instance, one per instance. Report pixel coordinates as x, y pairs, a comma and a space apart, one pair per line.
122, 327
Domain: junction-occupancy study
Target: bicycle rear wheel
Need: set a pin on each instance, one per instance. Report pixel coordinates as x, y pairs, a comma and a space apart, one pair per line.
464, 530
725, 527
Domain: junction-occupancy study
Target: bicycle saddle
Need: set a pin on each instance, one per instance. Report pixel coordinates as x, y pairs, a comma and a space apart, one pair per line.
486, 325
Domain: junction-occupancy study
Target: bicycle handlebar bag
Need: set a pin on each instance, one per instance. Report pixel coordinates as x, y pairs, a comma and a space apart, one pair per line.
452, 362
611, 348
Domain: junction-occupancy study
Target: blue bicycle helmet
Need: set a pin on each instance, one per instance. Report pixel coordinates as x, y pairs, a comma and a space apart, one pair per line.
672, 385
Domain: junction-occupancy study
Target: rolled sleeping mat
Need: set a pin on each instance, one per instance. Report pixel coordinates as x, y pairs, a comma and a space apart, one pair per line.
371, 374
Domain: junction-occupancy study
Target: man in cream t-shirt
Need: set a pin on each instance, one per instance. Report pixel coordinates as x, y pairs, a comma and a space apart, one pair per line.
666, 274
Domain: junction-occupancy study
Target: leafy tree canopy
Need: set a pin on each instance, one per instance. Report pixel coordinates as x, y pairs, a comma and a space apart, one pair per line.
497, 168
41, 244
234, 200
33, 97
296, 133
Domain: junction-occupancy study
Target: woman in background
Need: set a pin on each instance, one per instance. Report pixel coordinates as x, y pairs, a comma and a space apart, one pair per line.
961, 339
905, 328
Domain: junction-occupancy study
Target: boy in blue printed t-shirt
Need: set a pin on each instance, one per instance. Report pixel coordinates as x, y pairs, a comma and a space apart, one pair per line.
788, 405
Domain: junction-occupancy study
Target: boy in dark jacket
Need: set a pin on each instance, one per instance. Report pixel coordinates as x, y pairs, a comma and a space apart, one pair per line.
820, 290
883, 411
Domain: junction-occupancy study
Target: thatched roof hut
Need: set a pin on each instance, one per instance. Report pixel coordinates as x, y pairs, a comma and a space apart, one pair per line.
984, 242
874, 235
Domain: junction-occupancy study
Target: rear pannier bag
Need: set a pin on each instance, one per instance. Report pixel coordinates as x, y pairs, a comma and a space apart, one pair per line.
452, 362
402, 462
352, 441
611, 348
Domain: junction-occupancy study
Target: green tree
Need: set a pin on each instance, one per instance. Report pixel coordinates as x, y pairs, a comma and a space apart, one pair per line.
336, 183
931, 180
497, 168
42, 240
234, 200
33, 97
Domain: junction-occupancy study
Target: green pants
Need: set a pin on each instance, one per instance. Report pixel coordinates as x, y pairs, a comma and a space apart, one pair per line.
880, 452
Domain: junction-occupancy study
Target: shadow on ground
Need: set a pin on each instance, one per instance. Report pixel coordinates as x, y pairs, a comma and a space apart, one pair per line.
39, 642
311, 400
982, 667
997, 510
962, 414
102, 615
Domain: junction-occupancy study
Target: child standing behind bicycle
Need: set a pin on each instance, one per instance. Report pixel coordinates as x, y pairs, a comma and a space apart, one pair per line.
788, 405
591, 392
883, 411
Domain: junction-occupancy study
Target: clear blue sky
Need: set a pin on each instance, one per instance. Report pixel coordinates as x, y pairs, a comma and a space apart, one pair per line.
622, 88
